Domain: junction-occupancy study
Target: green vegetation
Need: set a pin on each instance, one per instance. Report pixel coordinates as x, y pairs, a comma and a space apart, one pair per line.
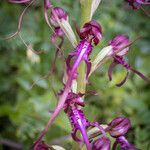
24, 111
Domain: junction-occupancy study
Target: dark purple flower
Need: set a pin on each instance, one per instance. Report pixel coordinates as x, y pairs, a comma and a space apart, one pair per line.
120, 45
124, 144
91, 31
119, 126
72, 108
102, 143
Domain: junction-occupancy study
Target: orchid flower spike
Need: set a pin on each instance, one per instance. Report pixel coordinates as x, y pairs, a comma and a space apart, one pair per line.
81, 52
120, 45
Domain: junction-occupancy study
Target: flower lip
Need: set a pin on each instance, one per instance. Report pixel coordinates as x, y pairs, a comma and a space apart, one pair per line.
91, 31
58, 13
119, 126
119, 42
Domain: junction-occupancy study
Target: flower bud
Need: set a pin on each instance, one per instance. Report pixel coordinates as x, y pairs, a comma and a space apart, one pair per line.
119, 126
118, 43
91, 30
101, 144
58, 14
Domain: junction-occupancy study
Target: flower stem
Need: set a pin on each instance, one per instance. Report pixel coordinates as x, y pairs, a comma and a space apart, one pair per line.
85, 17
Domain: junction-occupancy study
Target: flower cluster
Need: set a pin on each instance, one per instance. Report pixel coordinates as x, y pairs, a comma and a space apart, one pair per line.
120, 43
117, 128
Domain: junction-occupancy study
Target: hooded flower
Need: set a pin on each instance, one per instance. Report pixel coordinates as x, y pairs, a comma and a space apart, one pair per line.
120, 45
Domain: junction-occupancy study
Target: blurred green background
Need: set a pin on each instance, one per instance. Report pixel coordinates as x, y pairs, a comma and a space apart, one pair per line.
25, 111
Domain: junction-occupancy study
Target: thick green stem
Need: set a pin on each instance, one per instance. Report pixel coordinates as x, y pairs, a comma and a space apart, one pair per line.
85, 17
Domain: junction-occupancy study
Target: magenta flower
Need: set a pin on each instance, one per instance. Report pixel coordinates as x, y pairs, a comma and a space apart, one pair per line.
72, 108
120, 48
91, 32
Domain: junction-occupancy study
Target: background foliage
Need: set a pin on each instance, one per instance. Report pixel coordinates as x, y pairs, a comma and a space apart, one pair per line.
25, 111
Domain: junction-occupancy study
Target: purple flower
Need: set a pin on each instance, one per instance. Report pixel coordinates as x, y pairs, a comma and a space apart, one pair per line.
119, 126
91, 31
102, 143
120, 45
72, 108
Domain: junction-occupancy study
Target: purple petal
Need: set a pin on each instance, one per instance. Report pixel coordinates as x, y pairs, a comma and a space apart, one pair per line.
112, 65
74, 135
68, 60
124, 80
141, 75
